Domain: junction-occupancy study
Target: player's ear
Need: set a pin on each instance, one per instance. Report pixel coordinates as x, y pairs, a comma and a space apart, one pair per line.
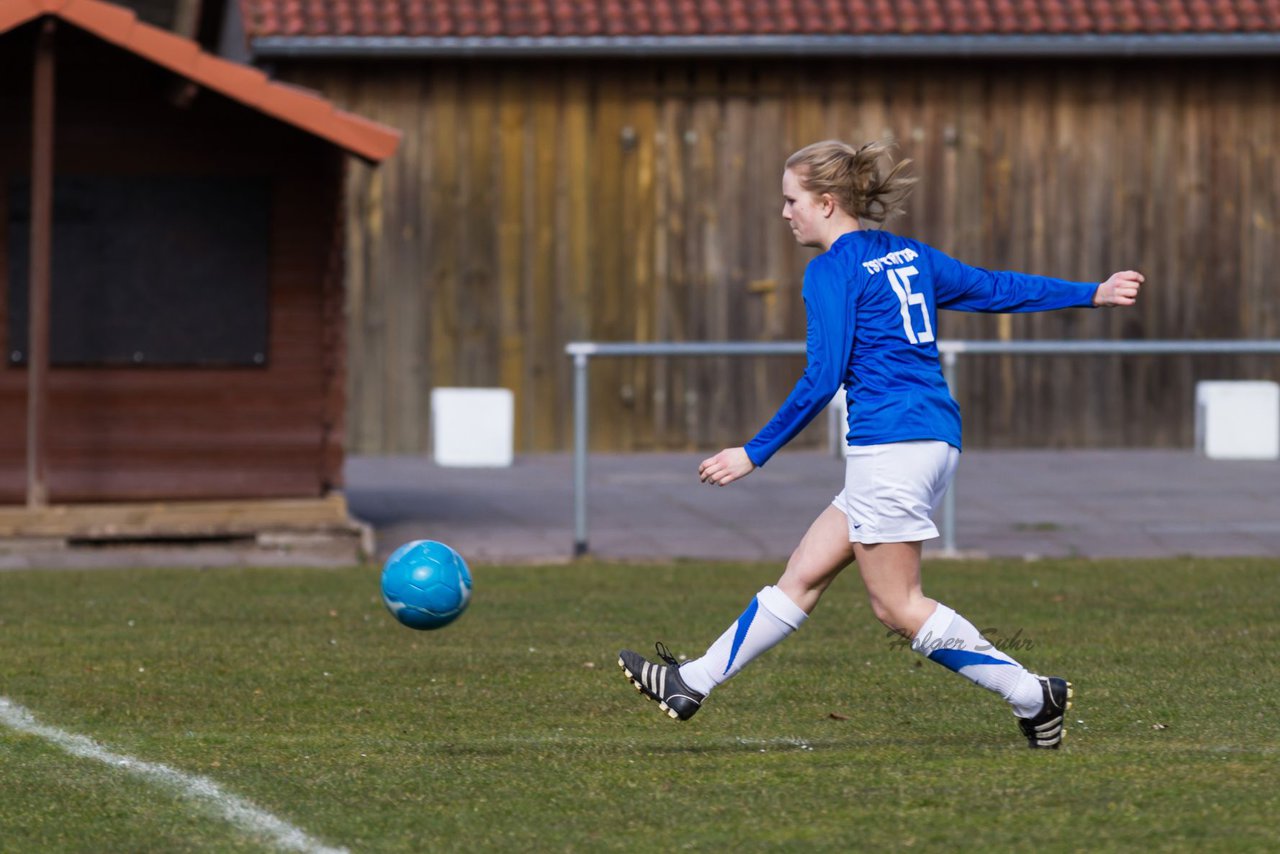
828, 204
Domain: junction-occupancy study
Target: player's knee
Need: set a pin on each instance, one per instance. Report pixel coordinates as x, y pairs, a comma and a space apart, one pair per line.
884, 612
903, 616
813, 570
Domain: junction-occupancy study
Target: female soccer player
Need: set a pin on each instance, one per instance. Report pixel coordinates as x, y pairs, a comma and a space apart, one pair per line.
871, 300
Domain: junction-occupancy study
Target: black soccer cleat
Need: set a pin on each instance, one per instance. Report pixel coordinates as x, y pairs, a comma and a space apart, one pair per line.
1045, 730
661, 682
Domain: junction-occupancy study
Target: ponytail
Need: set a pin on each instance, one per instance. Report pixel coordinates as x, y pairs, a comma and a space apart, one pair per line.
853, 177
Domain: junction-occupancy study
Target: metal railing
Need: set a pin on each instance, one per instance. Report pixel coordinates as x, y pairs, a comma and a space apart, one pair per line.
583, 351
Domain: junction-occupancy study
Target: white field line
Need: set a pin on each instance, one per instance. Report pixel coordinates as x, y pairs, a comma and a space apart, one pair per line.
235, 810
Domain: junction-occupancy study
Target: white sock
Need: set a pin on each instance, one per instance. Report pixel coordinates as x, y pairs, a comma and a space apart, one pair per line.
769, 618
952, 641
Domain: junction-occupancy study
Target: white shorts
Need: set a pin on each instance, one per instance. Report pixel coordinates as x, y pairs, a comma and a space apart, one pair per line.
890, 490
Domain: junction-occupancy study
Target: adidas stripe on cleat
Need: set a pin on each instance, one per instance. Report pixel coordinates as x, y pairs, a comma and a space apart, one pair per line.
661, 682
1046, 729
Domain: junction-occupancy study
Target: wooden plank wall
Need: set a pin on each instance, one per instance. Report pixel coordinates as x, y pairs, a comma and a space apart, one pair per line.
537, 203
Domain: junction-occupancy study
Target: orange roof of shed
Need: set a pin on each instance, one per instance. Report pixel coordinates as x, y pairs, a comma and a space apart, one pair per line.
249, 86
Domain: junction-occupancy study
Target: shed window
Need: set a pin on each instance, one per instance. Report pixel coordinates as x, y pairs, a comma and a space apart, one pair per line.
148, 270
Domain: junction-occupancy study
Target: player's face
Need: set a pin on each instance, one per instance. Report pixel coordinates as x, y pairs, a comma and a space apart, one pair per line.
803, 210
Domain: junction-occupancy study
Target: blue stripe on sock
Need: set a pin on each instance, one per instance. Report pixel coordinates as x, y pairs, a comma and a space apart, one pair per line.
740, 633
954, 659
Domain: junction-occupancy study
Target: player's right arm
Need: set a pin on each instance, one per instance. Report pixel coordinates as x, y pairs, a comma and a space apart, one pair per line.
828, 342
829, 319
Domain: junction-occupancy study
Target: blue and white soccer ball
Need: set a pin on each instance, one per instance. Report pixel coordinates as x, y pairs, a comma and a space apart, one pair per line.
426, 585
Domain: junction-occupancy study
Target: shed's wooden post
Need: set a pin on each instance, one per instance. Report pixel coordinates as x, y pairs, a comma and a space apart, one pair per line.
41, 267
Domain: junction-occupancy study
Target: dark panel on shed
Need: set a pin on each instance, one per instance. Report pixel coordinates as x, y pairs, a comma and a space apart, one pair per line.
159, 270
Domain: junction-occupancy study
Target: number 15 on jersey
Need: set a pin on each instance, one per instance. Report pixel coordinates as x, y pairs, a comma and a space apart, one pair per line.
900, 280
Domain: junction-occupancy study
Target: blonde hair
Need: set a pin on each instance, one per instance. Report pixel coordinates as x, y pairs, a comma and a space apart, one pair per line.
853, 177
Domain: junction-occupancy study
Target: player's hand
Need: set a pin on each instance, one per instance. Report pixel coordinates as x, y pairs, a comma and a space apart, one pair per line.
1120, 289
725, 467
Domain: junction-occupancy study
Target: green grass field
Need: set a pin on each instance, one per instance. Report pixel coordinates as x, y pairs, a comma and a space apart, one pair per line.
514, 730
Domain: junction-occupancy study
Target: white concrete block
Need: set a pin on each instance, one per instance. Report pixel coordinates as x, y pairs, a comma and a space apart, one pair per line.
1238, 419
473, 427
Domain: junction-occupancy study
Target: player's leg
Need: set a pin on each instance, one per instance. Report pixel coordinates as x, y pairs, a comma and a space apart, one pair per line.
823, 552
891, 573
777, 611
891, 492
773, 614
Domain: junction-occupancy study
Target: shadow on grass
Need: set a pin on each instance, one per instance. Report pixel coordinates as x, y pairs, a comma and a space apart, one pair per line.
721, 745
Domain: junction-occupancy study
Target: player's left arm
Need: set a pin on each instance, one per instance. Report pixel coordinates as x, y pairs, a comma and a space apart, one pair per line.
961, 287
1120, 289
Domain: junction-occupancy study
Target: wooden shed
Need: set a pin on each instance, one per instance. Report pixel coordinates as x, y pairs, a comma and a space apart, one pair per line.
171, 284
609, 170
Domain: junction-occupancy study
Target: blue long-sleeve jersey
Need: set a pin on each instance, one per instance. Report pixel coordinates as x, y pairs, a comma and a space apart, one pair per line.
872, 305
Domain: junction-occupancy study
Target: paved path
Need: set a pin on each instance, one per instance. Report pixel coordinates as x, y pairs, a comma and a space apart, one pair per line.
651, 506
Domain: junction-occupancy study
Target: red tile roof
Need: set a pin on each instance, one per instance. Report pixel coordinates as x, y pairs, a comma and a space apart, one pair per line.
684, 18
249, 86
